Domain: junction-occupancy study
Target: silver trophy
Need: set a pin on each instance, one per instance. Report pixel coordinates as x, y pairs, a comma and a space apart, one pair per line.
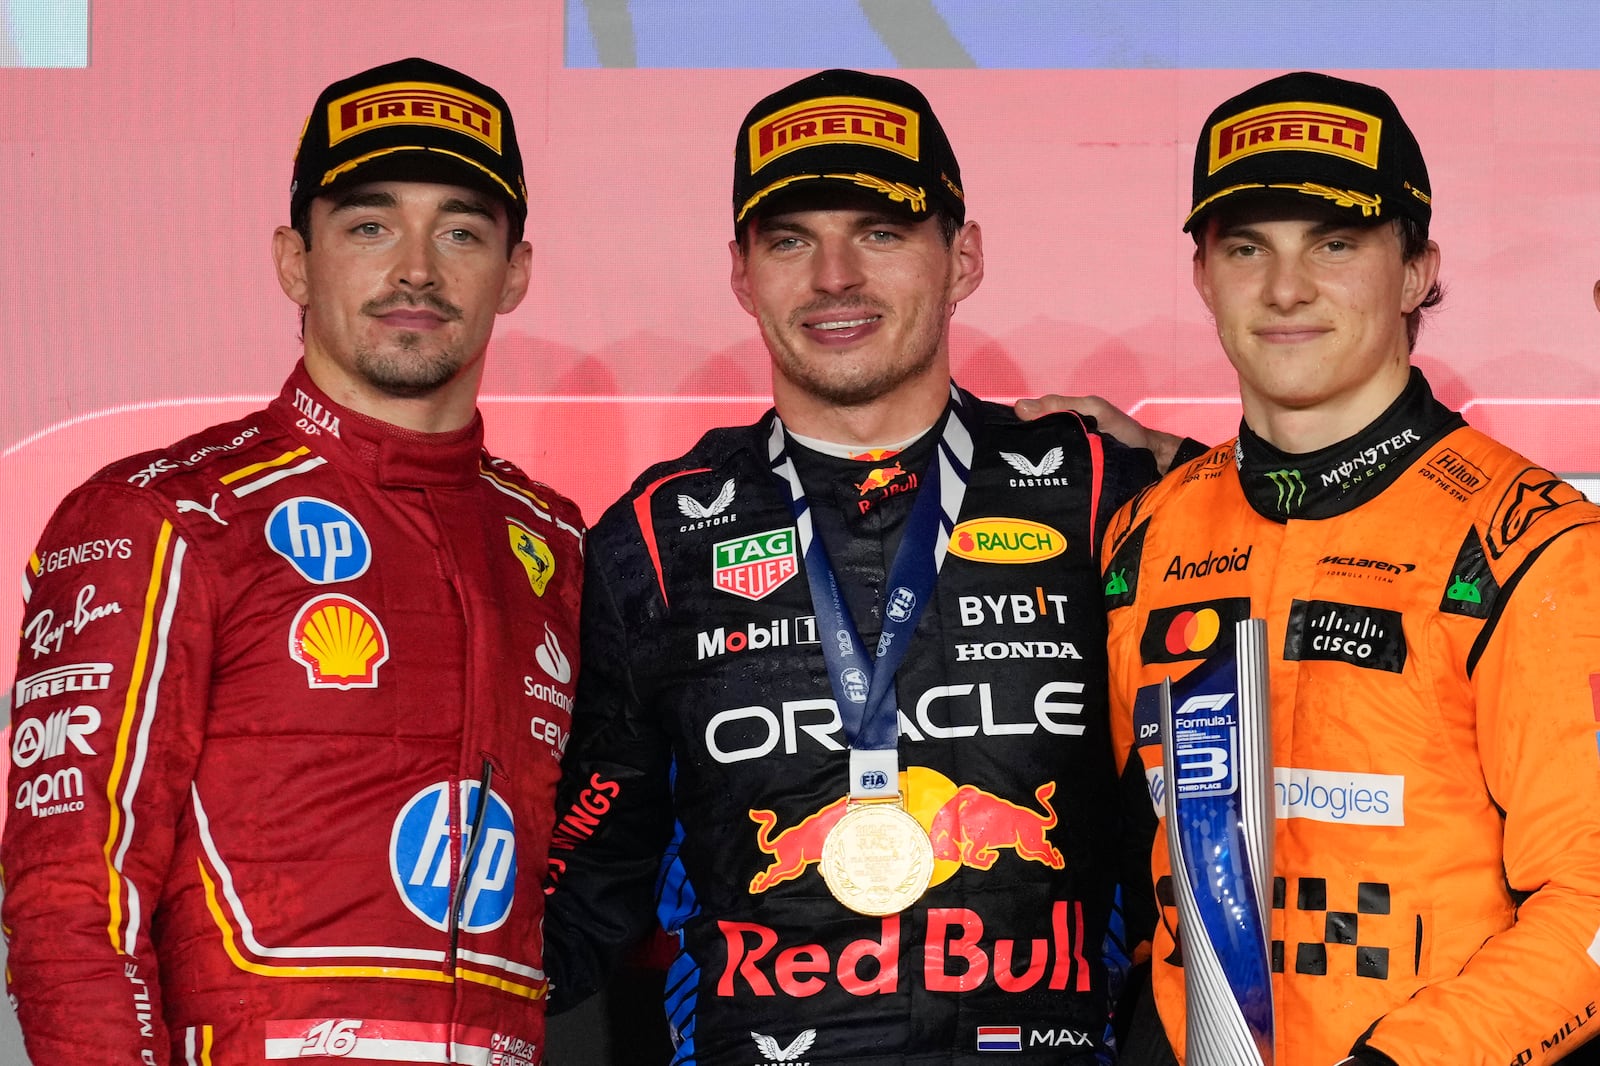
1216, 749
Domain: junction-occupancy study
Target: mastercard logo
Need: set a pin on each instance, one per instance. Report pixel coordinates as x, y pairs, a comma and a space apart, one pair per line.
1193, 631
1187, 631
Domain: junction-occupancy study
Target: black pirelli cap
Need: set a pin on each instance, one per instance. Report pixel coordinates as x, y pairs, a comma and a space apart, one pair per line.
1340, 141
847, 128
412, 120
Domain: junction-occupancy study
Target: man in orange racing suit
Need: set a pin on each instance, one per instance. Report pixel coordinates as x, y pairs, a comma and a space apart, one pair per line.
1433, 619
292, 692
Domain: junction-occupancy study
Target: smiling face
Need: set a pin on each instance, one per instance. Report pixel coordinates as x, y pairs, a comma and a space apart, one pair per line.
401, 285
1310, 307
854, 301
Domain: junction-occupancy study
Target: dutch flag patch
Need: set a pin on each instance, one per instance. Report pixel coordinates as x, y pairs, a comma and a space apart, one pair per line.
999, 1038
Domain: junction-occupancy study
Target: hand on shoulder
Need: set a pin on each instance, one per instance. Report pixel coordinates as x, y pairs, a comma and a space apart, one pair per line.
1110, 420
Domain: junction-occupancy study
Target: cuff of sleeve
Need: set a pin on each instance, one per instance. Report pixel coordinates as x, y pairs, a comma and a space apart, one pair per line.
1189, 448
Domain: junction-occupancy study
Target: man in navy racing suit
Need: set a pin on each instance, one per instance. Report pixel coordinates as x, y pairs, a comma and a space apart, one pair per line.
749, 604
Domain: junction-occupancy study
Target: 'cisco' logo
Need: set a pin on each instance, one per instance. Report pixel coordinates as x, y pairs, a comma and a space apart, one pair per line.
420, 861
1372, 638
321, 540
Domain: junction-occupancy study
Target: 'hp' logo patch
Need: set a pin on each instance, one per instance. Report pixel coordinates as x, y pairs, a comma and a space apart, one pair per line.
420, 858
321, 540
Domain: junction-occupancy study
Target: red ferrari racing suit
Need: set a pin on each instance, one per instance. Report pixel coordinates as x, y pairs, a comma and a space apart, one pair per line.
289, 710
1432, 602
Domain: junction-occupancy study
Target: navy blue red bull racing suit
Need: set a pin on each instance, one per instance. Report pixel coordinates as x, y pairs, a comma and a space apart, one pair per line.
707, 761
287, 723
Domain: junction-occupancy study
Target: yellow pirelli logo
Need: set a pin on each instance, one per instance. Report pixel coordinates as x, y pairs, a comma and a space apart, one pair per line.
1298, 127
414, 103
834, 120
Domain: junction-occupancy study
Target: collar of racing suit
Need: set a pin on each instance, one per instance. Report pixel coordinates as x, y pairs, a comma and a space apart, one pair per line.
374, 450
859, 507
1342, 476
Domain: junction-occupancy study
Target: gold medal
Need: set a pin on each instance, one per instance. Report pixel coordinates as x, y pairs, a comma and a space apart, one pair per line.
877, 859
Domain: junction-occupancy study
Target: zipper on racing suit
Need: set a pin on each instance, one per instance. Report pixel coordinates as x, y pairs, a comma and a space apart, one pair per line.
458, 896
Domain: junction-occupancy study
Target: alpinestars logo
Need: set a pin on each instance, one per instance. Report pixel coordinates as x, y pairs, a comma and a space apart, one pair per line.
776, 1053
1036, 474
1291, 486
708, 514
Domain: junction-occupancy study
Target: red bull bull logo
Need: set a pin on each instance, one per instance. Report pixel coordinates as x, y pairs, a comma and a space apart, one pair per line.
794, 849
973, 825
879, 477
881, 483
884, 482
967, 825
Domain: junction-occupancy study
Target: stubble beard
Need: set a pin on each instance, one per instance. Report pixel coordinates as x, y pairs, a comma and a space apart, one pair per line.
409, 371
845, 380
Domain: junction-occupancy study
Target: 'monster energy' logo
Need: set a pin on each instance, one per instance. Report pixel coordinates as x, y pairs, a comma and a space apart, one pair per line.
833, 120
1298, 127
413, 103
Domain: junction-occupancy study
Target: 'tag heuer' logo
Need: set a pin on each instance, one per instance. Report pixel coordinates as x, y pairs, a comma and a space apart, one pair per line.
413, 103
1299, 127
339, 641
834, 120
751, 567
1005, 540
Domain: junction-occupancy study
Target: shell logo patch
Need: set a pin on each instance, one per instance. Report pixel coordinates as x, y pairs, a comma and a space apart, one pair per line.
339, 641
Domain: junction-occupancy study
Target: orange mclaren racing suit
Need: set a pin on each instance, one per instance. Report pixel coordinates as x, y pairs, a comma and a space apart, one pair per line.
290, 705
1432, 602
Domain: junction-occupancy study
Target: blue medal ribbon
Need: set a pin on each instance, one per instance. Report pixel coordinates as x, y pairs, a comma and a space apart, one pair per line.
863, 685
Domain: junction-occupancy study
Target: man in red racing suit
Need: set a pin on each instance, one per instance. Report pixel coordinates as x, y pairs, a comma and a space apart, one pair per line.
292, 693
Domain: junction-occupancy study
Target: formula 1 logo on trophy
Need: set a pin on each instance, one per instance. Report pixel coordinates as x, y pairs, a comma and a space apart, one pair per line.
1215, 742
